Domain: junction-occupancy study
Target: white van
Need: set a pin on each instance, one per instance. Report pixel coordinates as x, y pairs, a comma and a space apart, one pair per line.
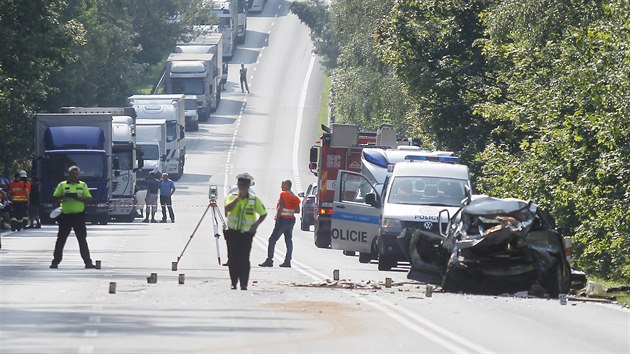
368, 219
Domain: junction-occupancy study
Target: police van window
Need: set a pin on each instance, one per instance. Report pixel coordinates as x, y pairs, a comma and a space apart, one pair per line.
354, 188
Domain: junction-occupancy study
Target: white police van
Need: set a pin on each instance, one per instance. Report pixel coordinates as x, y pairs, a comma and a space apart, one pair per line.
368, 216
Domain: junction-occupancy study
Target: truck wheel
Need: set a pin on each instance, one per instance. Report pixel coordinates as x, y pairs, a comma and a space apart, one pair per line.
196, 127
365, 257
349, 253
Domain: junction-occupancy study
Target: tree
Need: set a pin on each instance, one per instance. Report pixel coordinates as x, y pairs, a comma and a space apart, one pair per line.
431, 46
36, 41
567, 95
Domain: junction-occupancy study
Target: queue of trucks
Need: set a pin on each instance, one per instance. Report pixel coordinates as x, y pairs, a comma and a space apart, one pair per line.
117, 147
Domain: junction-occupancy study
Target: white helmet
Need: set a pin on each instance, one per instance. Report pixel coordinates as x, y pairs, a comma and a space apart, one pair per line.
23, 174
245, 175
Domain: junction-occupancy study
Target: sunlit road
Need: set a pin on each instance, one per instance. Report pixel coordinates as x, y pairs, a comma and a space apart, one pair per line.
266, 133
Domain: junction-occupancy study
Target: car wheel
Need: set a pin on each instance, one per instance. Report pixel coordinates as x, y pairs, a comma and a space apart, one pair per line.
320, 242
553, 281
365, 257
384, 263
305, 226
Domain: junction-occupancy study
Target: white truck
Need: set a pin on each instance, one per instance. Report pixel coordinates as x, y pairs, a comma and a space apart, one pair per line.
207, 39
368, 217
194, 74
191, 114
170, 108
227, 26
122, 207
151, 141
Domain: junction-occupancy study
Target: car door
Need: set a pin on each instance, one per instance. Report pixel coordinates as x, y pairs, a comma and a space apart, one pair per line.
355, 223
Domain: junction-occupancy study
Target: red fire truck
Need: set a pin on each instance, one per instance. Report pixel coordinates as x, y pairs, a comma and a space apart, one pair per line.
339, 148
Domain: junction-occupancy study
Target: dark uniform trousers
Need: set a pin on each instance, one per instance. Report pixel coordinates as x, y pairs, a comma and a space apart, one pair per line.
239, 246
68, 222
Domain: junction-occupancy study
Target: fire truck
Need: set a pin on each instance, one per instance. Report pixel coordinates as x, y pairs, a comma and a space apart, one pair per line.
339, 148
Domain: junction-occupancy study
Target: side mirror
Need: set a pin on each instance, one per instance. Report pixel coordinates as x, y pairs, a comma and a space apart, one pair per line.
370, 199
443, 232
313, 156
301, 194
116, 164
140, 164
116, 173
163, 158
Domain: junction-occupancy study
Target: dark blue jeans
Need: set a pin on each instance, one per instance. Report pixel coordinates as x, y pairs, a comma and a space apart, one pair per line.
283, 226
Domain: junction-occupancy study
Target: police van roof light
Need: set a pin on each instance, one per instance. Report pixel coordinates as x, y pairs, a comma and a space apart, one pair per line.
376, 157
446, 159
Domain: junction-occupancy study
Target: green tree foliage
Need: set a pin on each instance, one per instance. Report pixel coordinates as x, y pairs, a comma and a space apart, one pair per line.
565, 66
365, 91
35, 43
431, 46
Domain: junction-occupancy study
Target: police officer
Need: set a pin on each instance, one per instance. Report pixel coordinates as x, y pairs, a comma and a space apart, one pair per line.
288, 204
72, 194
240, 209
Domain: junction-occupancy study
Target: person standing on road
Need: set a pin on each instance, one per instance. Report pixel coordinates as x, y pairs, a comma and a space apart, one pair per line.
243, 74
286, 208
72, 194
240, 210
19, 191
167, 188
153, 188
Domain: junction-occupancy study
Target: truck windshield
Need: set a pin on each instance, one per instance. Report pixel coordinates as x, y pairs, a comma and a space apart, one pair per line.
124, 158
149, 152
427, 191
225, 22
92, 165
188, 86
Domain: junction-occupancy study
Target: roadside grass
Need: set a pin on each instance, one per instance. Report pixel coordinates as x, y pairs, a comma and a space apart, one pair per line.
150, 78
323, 105
622, 296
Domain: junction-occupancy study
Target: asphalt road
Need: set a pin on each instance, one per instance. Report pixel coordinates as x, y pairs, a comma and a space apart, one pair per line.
266, 133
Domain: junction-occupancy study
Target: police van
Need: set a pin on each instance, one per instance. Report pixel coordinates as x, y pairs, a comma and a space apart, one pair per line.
368, 216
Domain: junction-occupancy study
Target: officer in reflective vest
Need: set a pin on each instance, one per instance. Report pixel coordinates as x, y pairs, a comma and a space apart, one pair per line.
19, 191
241, 210
286, 208
72, 194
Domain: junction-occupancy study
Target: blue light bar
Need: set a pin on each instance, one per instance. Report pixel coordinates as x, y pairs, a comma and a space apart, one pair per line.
446, 159
375, 156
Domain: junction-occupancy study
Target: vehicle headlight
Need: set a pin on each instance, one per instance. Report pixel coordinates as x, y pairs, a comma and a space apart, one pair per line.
392, 225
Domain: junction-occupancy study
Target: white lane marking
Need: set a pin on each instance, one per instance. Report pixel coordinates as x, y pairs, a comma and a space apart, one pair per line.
90, 333
432, 326
408, 319
298, 125
86, 349
423, 332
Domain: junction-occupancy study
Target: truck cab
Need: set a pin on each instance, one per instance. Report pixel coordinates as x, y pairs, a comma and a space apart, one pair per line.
171, 109
68, 139
226, 14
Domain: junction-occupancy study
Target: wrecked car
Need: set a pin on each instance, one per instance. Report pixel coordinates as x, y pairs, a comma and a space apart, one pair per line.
492, 246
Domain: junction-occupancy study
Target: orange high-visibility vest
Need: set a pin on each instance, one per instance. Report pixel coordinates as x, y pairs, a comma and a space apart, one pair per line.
19, 192
291, 205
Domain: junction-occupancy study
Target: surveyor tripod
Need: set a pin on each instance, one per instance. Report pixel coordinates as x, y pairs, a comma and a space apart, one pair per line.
216, 216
